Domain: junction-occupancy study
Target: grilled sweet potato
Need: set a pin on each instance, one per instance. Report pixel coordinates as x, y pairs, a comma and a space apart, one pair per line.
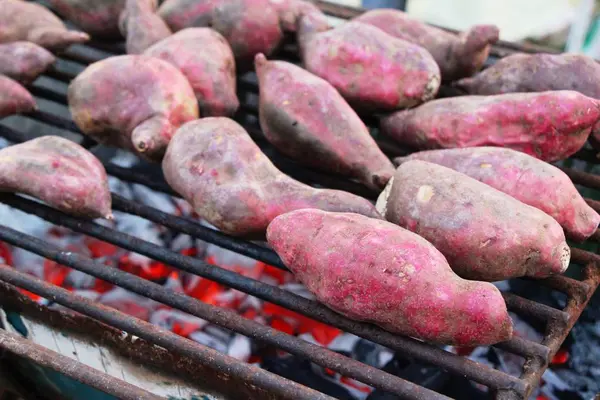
135, 102
24, 61
214, 164
28, 21
142, 27
485, 234
99, 18
548, 125
373, 271
457, 55
14, 98
58, 172
205, 58
291, 10
304, 117
250, 26
523, 177
371, 69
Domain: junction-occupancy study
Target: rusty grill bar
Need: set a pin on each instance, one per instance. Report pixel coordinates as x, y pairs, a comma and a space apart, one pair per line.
557, 322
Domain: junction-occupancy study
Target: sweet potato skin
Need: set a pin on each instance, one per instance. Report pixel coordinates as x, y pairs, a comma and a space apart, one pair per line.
548, 125
485, 234
401, 283
250, 26
214, 164
28, 21
141, 26
456, 55
527, 179
24, 61
135, 102
304, 117
59, 172
14, 98
291, 10
355, 56
205, 58
98, 18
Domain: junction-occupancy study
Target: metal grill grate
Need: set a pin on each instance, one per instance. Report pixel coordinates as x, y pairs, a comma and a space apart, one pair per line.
260, 383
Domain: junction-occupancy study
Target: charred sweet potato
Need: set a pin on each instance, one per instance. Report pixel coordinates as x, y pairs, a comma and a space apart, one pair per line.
371, 69
135, 102
485, 234
548, 125
99, 18
214, 164
24, 61
457, 55
304, 117
59, 172
250, 26
205, 58
14, 98
141, 26
28, 21
370, 270
527, 179
291, 10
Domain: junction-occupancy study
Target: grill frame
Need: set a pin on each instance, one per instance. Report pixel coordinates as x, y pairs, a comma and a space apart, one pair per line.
558, 322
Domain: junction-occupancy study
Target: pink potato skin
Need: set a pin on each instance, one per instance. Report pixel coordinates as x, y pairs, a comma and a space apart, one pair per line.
205, 58
373, 271
291, 10
141, 26
214, 164
28, 21
548, 125
59, 172
250, 26
457, 55
14, 98
135, 102
527, 179
485, 234
98, 18
24, 61
304, 117
371, 69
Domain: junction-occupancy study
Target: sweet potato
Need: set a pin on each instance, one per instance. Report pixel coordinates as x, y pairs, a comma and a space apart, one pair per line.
523, 177
304, 117
98, 18
214, 164
370, 270
24, 61
205, 58
457, 55
59, 172
548, 125
371, 69
135, 102
291, 10
141, 26
485, 234
28, 21
14, 98
250, 26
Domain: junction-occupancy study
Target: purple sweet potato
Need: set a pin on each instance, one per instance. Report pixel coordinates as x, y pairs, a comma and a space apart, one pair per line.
457, 55
250, 26
24, 61
135, 102
14, 98
527, 179
28, 21
291, 10
59, 172
371, 69
214, 164
373, 271
305, 118
99, 18
548, 125
205, 58
485, 234
141, 26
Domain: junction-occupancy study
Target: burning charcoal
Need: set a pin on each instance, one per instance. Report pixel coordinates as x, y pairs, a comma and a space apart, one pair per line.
240, 348
209, 340
176, 321
141, 26
130, 303
24, 61
98, 18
